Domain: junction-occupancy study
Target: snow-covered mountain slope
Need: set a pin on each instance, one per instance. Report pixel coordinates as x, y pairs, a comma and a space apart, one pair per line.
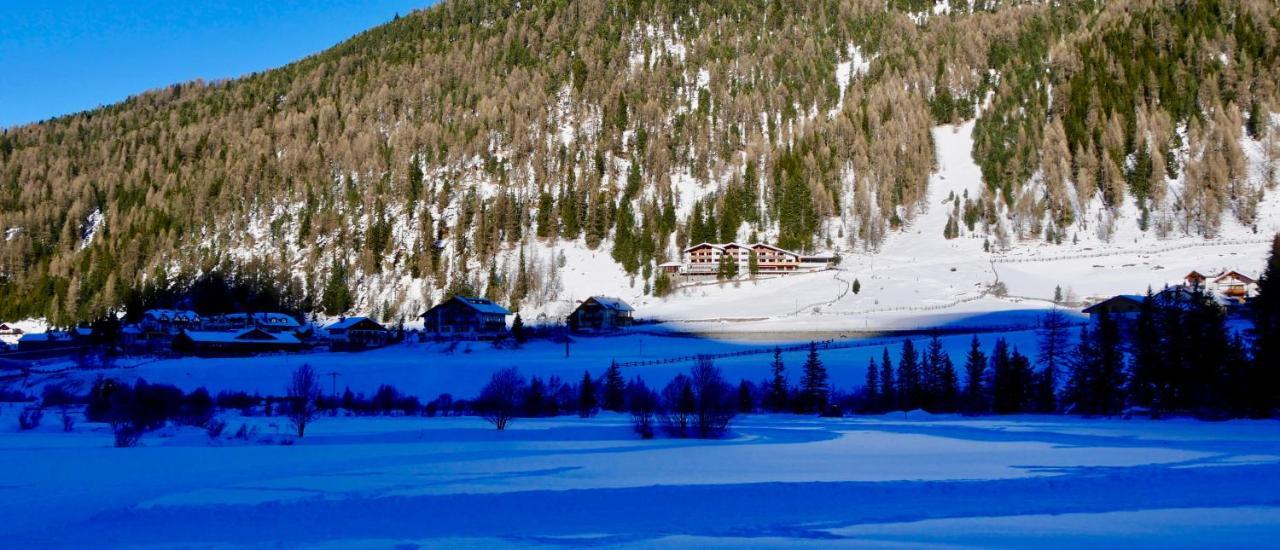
918, 279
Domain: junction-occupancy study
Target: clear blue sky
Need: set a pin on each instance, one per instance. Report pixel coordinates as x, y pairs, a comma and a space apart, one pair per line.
60, 56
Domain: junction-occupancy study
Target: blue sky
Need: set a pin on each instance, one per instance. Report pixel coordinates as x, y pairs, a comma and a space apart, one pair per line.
59, 57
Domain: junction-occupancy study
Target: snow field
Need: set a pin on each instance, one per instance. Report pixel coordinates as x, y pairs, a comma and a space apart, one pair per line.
777, 480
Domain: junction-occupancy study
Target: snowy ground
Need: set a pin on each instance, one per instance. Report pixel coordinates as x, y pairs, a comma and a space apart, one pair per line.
778, 480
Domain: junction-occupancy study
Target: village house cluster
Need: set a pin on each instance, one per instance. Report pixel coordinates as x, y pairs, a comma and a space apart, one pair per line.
707, 259
1230, 289
469, 318
187, 332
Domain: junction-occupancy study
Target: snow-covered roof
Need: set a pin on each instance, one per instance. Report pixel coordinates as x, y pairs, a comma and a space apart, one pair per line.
700, 245
1134, 298
771, 247
347, 322
246, 335
479, 304
266, 317
615, 304
670, 264
1234, 276
51, 336
168, 314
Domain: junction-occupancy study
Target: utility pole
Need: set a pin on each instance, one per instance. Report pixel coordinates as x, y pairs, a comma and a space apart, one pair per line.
334, 378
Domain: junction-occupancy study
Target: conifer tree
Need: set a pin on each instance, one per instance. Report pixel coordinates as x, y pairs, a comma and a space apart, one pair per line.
517, 329
1096, 382
1265, 383
614, 394
815, 389
746, 397
975, 367
545, 217
889, 389
949, 398
779, 395
933, 375
909, 379
1149, 383
588, 403
871, 389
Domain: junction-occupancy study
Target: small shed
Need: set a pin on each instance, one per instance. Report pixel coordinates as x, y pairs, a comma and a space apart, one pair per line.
601, 313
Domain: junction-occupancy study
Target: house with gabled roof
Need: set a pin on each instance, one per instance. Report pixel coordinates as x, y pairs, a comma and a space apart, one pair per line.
601, 313
466, 317
246, 341
356, 333
1235, 285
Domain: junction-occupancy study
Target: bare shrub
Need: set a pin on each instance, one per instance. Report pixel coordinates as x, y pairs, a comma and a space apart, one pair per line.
126, 434
29, 418
68, 421
214, 428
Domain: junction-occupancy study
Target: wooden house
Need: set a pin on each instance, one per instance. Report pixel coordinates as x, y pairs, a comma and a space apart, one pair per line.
464, 317
356, 333
1194, 280
1235, 285
247, 341
601, 313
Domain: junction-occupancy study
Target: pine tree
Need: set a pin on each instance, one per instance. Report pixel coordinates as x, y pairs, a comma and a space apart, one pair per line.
545, 219
857, 286
517, 330
871, 389
975, 367
815, 390
1266, 336
1149, 384
746, 397
909, 379
932, 375
949, 398
1096, 382
588, 404
889, 391
779, 395
614, 395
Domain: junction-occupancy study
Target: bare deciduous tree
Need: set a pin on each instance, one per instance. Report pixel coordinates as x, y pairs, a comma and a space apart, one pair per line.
302, 392
499, 401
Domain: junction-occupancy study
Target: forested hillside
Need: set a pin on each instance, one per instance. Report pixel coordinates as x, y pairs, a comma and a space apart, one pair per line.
445, 150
